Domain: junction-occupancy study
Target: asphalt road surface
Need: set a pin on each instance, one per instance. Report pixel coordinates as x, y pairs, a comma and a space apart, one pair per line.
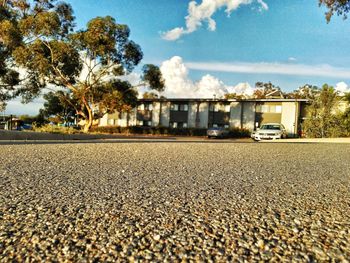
170, 202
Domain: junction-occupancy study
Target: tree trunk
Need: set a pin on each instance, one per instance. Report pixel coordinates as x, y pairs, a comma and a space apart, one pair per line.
87, 126
89, 119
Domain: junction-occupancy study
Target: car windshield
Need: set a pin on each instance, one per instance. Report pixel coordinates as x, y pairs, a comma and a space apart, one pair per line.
270, 127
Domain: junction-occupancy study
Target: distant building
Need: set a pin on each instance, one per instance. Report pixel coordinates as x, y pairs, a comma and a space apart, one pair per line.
206, 113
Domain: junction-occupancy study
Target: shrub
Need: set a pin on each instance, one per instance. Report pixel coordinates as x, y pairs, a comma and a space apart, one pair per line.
239, 133
234, 133
55, 129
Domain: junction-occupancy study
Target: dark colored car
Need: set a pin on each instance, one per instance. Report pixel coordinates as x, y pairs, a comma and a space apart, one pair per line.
26, 126
217, 132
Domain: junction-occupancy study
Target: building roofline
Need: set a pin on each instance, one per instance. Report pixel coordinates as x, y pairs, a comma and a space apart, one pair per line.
223, 100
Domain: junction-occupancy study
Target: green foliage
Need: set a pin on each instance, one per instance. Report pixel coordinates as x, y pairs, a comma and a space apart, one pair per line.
55, 129
234, 133
27, 119
36, 121
239, 133
263, 89
2, 106
346, 115
340, 7
153, 76
229, 96
150, 95
323, 119
307, 91
58, 104
39, 36
9, 39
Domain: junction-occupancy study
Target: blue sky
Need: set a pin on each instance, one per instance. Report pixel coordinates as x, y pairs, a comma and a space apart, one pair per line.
289, 43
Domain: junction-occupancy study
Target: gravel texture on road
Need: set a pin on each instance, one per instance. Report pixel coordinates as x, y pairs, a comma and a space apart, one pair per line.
175, 202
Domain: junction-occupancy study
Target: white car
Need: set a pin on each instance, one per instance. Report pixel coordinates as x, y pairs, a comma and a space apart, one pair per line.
269, 131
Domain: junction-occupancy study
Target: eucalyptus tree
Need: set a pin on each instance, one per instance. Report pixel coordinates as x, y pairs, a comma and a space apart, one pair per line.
340, 7
87, 64
9, 39
322, 120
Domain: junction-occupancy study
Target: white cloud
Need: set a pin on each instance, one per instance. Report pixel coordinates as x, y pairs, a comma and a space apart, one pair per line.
243, 88
173, 34
342, 88
179, 85
203, 12
292, 59
264, 6
273, 68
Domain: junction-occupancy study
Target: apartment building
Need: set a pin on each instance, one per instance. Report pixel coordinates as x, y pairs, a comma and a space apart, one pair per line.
206, 113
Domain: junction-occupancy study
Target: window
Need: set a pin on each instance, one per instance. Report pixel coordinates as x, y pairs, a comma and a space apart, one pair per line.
149, 106
174, 107
146, 123
183, 107
179, 107
141, 107
215, 126
178, 125
265, 108
214, 107
226, 126
219, 107
111, 122
271, 127
145, 106
268, 108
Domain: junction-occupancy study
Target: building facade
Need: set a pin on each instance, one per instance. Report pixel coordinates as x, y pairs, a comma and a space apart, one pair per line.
205, 113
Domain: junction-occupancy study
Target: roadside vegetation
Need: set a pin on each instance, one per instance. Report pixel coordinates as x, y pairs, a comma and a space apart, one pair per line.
328, 114
86, 65
234, 133
83, 70
55, 129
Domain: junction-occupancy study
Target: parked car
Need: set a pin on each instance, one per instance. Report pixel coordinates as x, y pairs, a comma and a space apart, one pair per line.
26, 126
270, 131
217, 132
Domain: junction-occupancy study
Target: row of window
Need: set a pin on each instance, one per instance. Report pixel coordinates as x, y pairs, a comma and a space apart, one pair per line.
172, 124
178, 124
179, 107
220, 107
226, 126
215, 107
144, 123
184, 107
269, 108
174, 107
145, 106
